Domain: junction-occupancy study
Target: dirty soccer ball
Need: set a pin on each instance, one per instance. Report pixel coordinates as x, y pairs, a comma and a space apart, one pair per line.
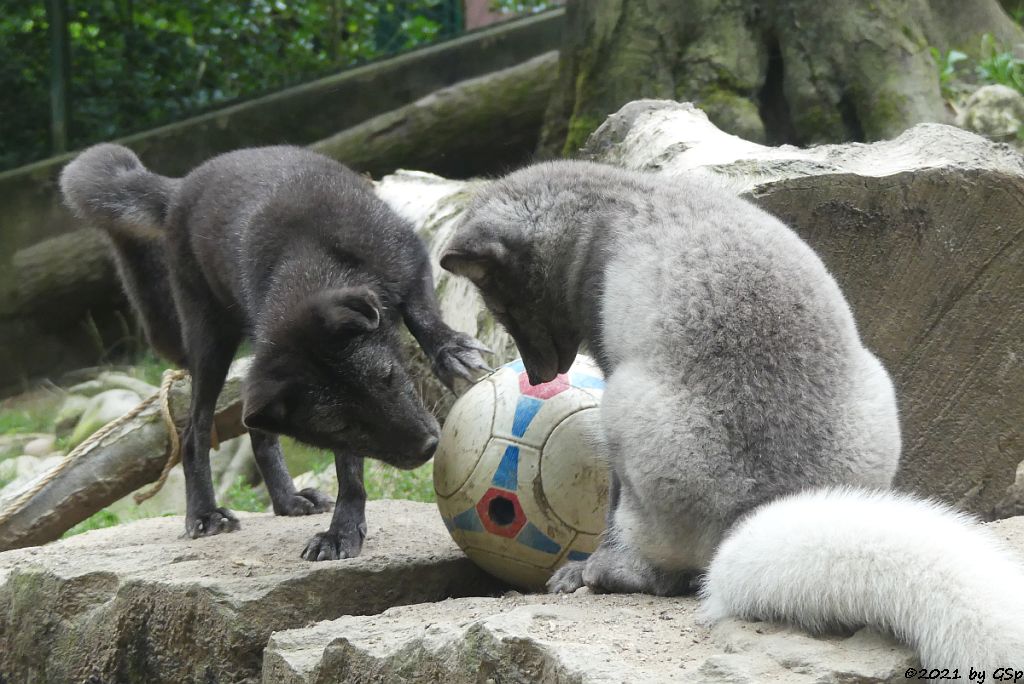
518, 484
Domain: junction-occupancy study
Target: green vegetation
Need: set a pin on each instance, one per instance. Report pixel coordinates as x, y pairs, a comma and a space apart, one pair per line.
999, 65
946, 63
242, 497
96, 521
136, 64
996, 64
385, 482
149, 368
382, 481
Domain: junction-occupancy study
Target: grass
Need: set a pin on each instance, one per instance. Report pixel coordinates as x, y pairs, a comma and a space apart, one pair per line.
149, 369
242, 497
33, 412
382, 481
96, 521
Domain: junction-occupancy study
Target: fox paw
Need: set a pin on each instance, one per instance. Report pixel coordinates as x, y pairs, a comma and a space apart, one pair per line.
567, 578
460, 358
208, 524
306, 502
335, 545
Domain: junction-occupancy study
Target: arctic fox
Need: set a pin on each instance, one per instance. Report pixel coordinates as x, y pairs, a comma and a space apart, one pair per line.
749, 433
296, 252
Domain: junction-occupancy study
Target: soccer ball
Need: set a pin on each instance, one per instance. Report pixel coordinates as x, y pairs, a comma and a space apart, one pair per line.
519, 487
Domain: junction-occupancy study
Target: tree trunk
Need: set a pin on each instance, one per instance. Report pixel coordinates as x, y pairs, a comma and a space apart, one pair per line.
777, 71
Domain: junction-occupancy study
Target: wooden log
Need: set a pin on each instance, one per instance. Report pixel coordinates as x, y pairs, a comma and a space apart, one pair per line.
470, 128
125, 460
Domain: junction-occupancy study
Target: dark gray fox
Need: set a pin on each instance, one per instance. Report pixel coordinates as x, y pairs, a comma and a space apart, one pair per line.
296, 252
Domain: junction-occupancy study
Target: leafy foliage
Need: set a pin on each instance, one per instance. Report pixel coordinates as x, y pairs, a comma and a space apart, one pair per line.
947, 68
995, 64
999, 65
136, 64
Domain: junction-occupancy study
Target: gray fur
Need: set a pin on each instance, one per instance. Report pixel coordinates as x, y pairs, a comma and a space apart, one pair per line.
735, 372
749, 432
296, 252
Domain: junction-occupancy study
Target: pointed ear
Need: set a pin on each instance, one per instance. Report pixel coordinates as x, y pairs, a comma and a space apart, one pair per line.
348, 309
473, 259
265, 407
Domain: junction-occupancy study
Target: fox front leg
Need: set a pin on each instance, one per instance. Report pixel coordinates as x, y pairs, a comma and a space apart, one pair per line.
453, 355
344, 538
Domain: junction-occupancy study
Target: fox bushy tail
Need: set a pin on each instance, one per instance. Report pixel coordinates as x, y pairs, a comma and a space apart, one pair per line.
108, 187
835, 558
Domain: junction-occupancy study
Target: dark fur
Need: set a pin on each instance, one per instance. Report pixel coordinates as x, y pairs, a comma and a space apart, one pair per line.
296, 252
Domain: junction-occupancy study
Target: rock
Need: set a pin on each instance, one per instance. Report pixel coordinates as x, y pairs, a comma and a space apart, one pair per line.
101, 409
70, 412
1012, 504
996, 112
326, 481
14, 444
576, 638
138, 602
40, 446
925, 235
108, 380
20, 470
170, 500
115, 380
579, 638
234, 459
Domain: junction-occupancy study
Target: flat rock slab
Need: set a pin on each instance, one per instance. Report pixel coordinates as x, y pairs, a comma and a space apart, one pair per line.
139, 602
580, 638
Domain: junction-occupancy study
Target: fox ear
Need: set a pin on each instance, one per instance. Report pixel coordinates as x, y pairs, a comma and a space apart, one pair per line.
474, 260
265, 407
348, 309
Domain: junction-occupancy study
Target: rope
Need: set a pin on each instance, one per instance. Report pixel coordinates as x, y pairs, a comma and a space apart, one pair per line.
174, 440
163, 396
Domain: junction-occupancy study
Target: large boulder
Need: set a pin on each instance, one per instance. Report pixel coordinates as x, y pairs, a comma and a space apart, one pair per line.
139, 603
925, 234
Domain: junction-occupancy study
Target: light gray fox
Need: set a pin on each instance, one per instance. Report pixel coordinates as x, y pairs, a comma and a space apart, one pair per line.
750, 434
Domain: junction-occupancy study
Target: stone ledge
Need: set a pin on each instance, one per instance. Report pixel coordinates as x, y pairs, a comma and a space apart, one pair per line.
140, 603
579, 638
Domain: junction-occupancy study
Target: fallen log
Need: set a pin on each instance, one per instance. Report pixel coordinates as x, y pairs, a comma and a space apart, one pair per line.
128, 458
475, 127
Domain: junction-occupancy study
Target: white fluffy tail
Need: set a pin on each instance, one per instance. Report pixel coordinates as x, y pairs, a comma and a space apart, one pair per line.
846, 558
108, 186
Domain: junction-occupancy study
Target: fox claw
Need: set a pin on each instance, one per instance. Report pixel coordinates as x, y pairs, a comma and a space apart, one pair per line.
461, 358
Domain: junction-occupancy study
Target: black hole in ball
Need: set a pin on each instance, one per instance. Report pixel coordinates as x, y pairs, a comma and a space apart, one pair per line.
501, 511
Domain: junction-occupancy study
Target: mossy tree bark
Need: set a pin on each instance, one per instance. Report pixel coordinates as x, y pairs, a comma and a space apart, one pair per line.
777, 71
